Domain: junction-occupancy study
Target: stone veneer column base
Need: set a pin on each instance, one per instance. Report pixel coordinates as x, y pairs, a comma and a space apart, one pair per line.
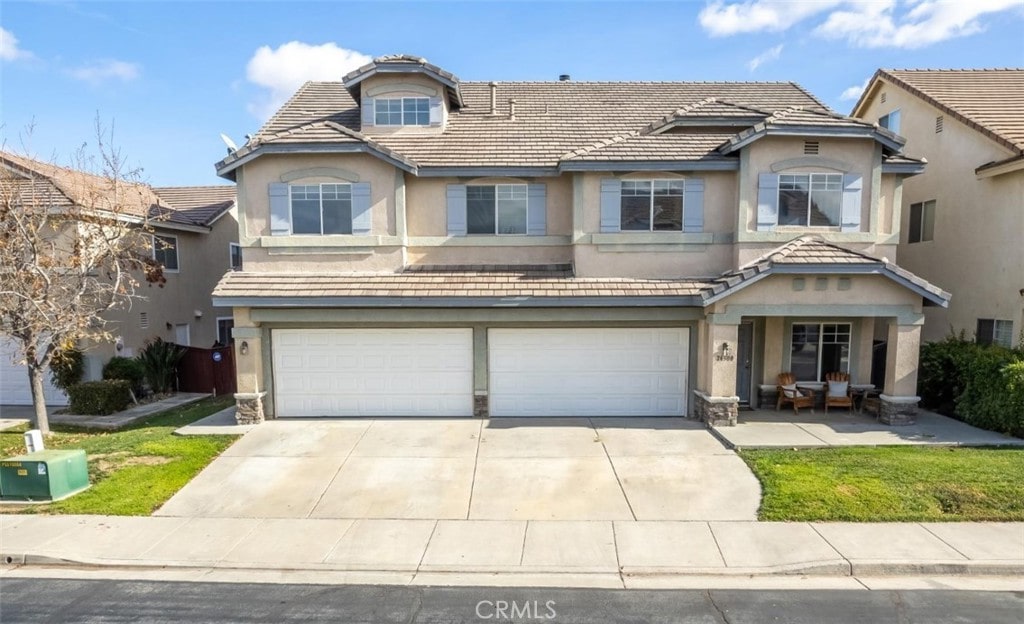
250, 408
716, 411
897, 411
480, 406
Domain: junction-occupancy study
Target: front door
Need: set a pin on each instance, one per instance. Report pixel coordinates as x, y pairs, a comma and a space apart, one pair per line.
744, 356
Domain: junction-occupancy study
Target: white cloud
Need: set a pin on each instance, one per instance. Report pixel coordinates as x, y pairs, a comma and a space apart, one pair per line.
771, 54
875, 25
853, 93
9, 49
283, 70
99, 72
861, 23
721, 19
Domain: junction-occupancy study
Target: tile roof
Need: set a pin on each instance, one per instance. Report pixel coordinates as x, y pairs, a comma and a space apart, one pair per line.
986, 99
199, 205
697, 146
552, 118
429, 282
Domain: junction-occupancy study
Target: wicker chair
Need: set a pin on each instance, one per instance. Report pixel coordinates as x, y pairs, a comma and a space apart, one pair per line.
789, 393
840, 399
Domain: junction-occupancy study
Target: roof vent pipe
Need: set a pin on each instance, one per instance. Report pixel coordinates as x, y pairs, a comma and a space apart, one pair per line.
564, 78
512, 109
494, 98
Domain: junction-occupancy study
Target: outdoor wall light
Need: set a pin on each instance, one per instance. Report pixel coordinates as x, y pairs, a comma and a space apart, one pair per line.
724, 353
244, 348
169, 327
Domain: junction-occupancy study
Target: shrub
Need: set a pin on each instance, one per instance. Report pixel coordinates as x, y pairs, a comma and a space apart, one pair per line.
66, 368
99, 398
942, 372
160, 361
129, 369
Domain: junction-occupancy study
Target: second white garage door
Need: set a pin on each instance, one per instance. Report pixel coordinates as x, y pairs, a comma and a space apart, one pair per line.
15, 388
373, 372
588, 372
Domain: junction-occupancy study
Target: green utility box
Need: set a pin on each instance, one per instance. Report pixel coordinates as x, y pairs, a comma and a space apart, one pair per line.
43, 476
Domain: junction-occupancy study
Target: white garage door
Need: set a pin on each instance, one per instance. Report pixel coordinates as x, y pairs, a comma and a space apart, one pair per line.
14, 385
373, 372
588, 372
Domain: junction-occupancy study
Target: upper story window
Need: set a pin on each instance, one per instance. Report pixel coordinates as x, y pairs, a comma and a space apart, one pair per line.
652, 205
165, 252
321, 208
922, 222
891, 121
994, 331
235, 256
810, 199
408, 111
497, 209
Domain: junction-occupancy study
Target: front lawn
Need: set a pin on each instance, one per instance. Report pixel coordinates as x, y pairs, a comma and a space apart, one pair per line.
878, 484
135, 470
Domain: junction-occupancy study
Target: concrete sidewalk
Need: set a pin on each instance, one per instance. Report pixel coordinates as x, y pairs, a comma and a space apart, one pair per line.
567, 553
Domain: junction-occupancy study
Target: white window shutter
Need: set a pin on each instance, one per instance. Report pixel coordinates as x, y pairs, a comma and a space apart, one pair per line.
611, 205
850, 215
537, 209
367, 109
436, 111
457, 210
280, 209
362, 213
693, 205
767, 201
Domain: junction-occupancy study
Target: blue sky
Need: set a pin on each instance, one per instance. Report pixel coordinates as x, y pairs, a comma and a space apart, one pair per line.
171, 76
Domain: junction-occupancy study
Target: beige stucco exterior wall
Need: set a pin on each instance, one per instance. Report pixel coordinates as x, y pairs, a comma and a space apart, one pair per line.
976, 253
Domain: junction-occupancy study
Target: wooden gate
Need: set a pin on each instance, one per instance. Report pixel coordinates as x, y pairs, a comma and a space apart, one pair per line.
207, 370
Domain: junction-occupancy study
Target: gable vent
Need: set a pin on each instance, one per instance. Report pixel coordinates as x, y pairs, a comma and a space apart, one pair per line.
938, 124
811, 148
883, 98
143, 320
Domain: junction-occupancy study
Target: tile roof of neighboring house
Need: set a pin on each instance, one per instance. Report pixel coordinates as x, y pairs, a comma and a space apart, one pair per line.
441, 283
800, 253
200, 205
988, 100
552, 118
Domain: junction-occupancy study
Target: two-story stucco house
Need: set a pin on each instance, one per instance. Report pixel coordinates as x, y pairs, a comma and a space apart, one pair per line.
416, 245
195, 238
963, 218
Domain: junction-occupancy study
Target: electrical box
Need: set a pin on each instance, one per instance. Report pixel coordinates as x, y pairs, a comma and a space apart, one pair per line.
43, 476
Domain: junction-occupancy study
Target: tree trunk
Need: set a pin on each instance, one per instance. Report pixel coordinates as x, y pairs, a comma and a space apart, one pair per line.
35, 375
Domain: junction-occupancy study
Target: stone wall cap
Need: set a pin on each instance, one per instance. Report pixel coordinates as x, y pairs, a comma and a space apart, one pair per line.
714, 399
888, 398
249, 396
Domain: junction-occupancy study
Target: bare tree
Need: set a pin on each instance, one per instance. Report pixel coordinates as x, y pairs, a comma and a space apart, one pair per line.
72, 241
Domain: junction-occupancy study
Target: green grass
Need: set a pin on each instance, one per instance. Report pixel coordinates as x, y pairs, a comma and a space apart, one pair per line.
135, 470
881, 484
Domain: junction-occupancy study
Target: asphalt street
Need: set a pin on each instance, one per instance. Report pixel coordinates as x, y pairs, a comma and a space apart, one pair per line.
90, 601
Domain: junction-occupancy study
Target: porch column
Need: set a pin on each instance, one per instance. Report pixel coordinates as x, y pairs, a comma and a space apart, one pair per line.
715, 400
899, 396
248, 368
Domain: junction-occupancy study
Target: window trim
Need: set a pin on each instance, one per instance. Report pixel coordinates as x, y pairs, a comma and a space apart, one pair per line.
177, 256
995, 332
320, 185
810, 189
224, 318
402, 112
497, 232
923, 205
650, 213
231, 253
821, 337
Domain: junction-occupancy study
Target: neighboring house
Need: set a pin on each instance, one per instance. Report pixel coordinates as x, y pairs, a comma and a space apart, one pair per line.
195, 237
416, 245
963, 218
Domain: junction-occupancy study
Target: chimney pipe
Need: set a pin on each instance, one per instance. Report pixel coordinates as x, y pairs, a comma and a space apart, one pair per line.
494, 98
564, 78
512, 109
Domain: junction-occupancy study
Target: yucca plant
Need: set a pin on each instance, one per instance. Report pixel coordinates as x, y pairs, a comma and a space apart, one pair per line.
160, 361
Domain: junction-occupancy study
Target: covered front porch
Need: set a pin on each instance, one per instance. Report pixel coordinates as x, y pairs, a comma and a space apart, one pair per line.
810, 309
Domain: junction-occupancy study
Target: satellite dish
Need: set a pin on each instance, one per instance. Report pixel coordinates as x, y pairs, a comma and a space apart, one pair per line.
227, 141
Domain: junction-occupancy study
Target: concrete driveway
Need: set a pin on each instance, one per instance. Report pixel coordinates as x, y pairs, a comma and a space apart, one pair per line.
497, 469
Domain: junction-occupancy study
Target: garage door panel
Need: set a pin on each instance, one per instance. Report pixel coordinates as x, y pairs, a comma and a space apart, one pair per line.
588, 372
363, 372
